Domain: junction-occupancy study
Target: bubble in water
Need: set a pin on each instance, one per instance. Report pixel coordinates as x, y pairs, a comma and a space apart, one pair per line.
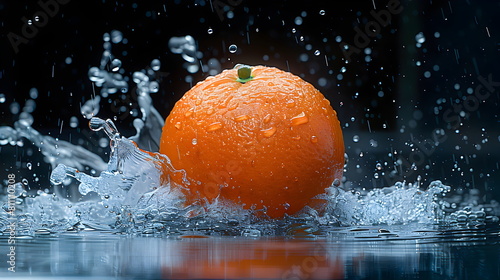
378, 166
233, 48
322, 12
355, 138
155, 64
29, 165
210, 31
2, 98
343, 69
317, 52
420, 38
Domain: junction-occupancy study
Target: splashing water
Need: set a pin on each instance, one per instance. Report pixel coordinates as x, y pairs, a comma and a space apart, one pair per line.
133, 194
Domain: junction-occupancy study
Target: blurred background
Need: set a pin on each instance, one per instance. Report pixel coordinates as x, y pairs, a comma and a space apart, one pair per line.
415, 83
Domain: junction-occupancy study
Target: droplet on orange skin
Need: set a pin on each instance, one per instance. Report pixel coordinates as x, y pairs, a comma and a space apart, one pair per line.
314, 139
269, 131
267, 118
178, 125
300, 119
241, 118
214, 126
290, 103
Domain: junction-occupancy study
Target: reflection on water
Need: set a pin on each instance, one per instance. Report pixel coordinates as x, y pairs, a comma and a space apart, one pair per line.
352, 253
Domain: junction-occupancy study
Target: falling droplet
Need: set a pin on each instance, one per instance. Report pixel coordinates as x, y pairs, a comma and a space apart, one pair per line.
300, 119
241, 118
155, 64
233, 48
314, 139
214, 126
269, 131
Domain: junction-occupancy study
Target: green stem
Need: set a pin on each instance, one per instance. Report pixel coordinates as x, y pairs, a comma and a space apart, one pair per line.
244, 74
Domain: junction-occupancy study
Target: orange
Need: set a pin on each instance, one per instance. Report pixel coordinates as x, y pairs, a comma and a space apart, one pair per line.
255, 136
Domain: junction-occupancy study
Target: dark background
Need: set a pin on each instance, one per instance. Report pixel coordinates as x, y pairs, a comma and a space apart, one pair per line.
386, 102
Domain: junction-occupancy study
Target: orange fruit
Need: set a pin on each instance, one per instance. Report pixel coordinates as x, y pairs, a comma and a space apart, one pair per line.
256, 136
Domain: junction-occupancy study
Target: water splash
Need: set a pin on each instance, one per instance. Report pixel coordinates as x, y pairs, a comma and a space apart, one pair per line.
133, 193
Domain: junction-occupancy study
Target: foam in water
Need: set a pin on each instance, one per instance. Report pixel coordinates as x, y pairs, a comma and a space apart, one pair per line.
132, 192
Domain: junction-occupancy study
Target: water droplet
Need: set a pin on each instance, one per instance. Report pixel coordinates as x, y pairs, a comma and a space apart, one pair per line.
241, 118
322, 12
210, 31
267, 118
214, 126
343, 69
317, 52
290, 103
293, 30
233, 48
155, 64
420, 38
30, 22
194, 141
314, 139
116, 64
116, 36
24, 181
178, 125
269, 131
189, 113
378, 166
2, 98
375, 175
37, 18
29, 165
296, 137
300, 119
355, 138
